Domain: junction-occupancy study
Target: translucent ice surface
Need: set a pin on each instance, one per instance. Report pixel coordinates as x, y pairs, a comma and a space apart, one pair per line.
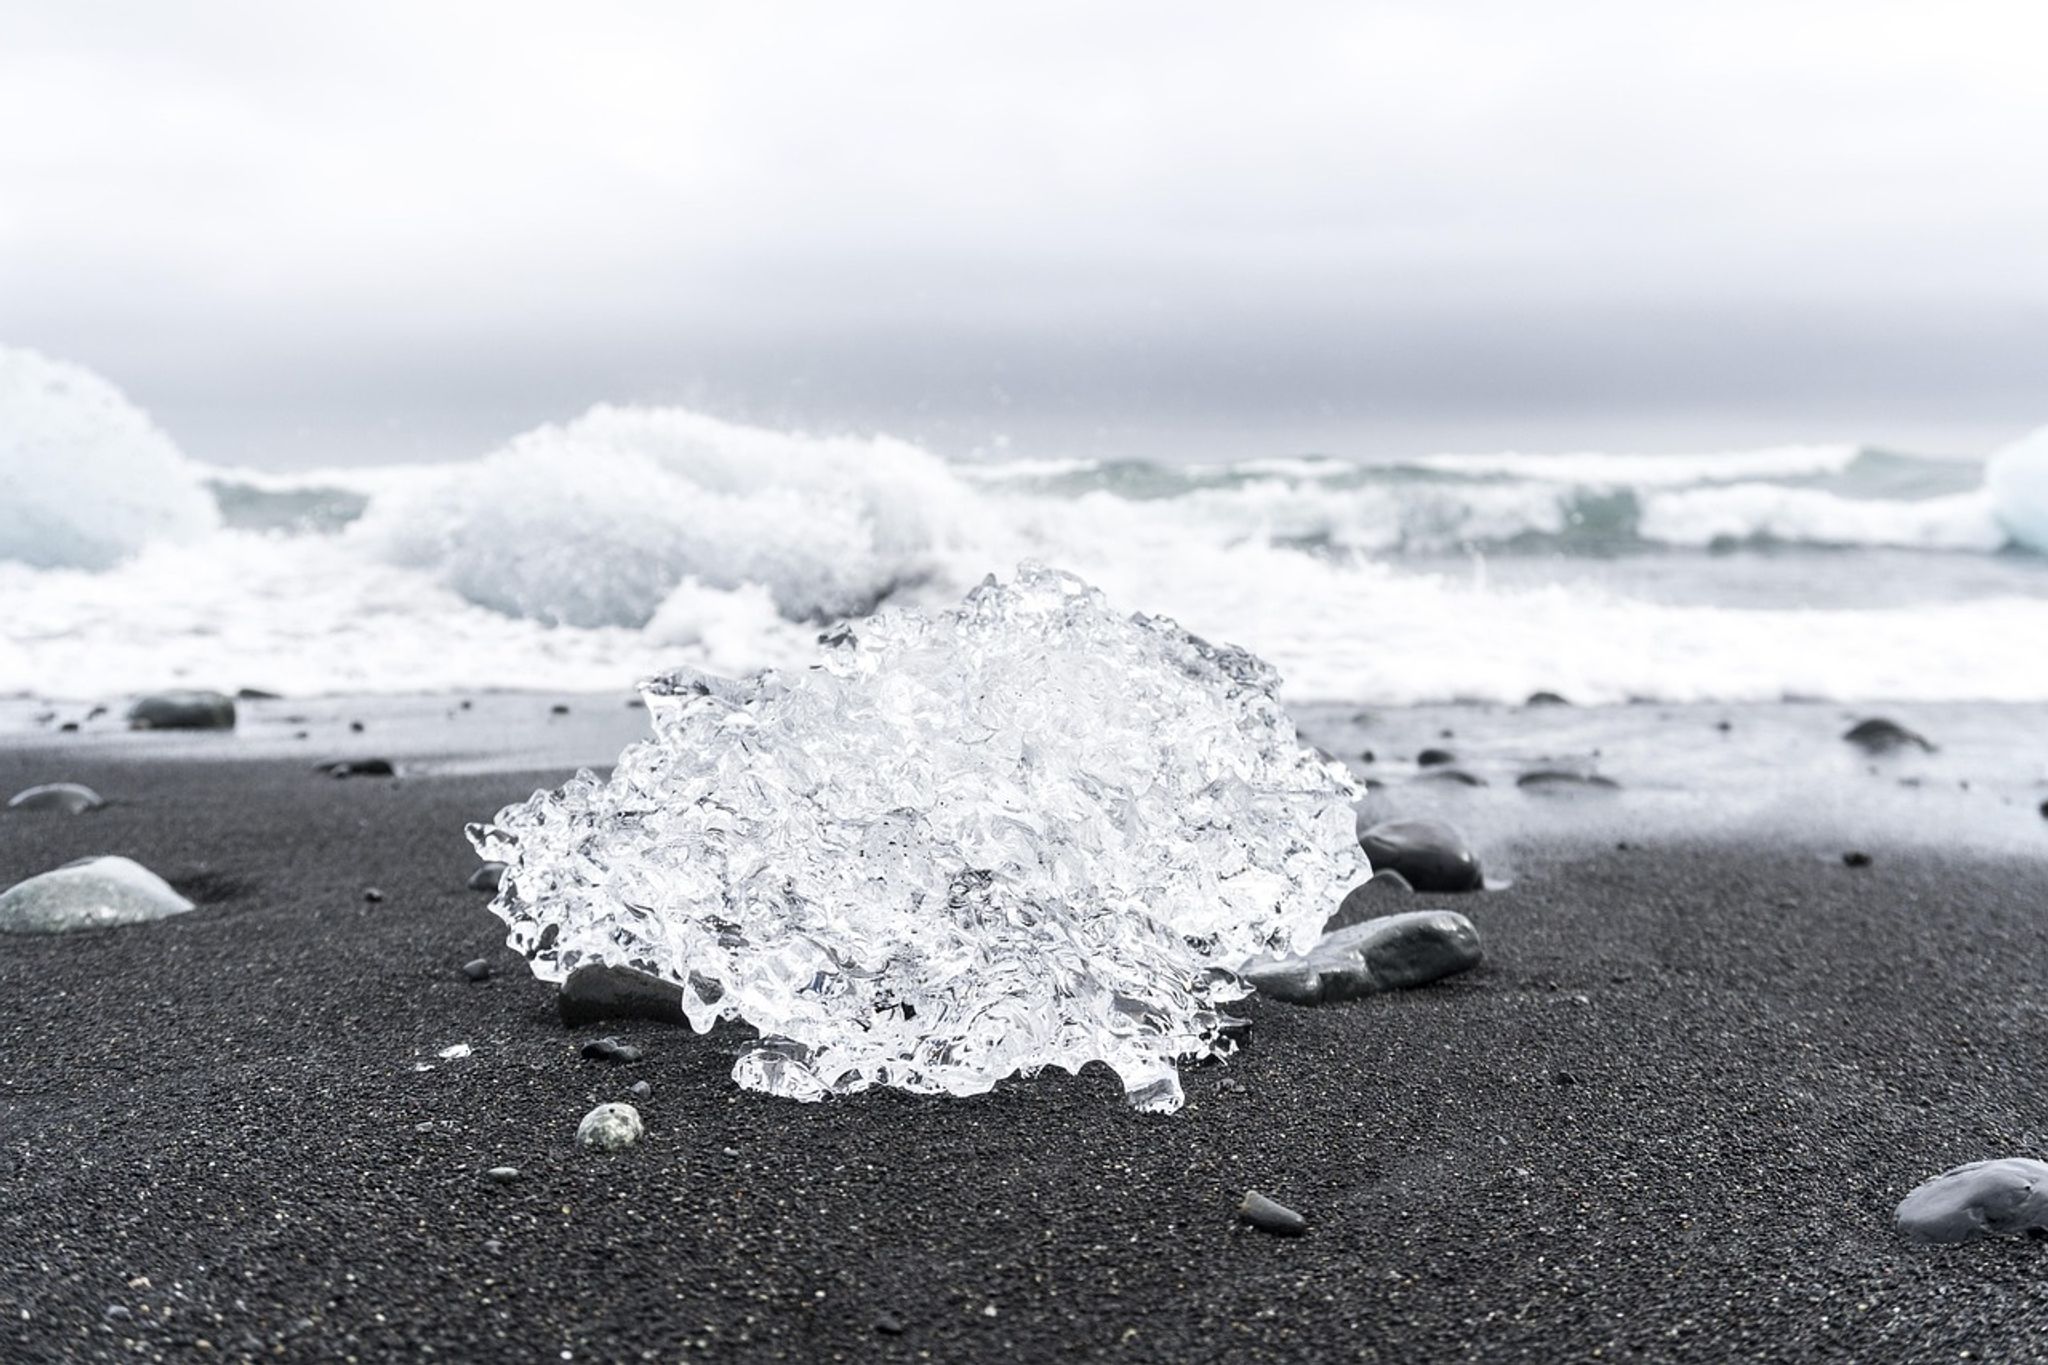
1031, 831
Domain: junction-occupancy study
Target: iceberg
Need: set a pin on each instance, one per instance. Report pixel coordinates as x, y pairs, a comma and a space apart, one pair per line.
1031, 831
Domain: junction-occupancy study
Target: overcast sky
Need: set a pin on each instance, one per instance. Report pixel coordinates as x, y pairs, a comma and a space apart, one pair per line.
306, 233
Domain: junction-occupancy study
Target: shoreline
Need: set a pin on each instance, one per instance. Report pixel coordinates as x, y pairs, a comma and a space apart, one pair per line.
1669, 1116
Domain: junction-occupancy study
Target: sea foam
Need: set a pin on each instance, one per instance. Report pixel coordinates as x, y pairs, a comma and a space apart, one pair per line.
596, 522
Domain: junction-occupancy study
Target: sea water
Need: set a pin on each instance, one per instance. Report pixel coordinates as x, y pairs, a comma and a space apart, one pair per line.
615, 544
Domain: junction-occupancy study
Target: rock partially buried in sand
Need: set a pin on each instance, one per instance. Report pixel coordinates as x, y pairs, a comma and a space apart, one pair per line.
1393, 952
1453, 777
92, 893
1881, 736
1999, 1198
71, 798
1383, 891
357, 767
1546, 699
1562, 782
1431, 854
596, 993
183, 711
610, 1127
1268, 1215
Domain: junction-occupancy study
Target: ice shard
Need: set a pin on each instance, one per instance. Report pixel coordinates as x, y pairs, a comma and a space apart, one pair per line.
1031, 831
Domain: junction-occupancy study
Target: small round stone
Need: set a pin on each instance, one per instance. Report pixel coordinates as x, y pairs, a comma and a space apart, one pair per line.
477, 969
610, 1128
640, 1090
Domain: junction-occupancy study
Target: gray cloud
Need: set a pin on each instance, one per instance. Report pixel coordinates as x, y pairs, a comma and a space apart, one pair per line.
368, 232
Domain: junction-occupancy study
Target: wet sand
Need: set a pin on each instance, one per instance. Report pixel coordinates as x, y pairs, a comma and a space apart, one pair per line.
1668, 1119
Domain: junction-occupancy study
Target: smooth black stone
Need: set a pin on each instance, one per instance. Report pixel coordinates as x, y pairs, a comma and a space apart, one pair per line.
357, 767
1370, 900
183, 710
596, 993
1561, 780
1856, 858
356, 726
69, 727
1368, 757
611, 1050
70, 797
256, 694
477, 969
1881, 736
487, 877
372, 894
1456, 777
1268, 1215
889, 1325
559, 709
1386, 953
1545, 699
1430, 758
1432, 854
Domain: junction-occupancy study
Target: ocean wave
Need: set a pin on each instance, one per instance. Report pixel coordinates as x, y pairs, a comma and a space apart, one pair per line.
86, 479
2017, 479
596, 521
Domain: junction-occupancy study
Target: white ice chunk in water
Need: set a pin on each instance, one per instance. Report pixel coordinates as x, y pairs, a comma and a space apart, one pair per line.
1032, 831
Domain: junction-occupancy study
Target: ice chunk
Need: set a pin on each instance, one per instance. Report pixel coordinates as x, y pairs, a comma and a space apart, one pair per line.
92, 893
1030, 831
86, 479
2017, 478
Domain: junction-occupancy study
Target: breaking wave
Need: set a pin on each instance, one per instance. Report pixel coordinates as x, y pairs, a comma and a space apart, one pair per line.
632, 539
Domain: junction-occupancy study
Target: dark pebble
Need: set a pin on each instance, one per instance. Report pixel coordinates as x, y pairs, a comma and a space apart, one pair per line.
1545, 699
477, 969
1560, 780
1881, 736
1430, 758
559, 709
357, 767
255, 694
1856, 858
1431, 854
596, 993
1368, 757
372, 894
356, 726
889, 1325
1370, 900
611, 1050
1565, 1078
1269, 1216
184, 710
69, 727
487, 877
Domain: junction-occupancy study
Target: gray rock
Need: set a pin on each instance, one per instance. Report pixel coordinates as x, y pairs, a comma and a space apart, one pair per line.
1983, 1199
1451, 777
595, 993
611, 1050
487, 877
358, 767
610, 1127
183, 710
1881, 736
69, 797
92, 893
1268, 1215
1393, 952
1431, 854
503, 1175
640, 1090
1546, 699
1377, 896
477, 969
1431, 758
1562, 782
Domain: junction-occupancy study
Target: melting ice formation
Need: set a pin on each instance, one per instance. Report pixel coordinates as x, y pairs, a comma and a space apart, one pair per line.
1031, 831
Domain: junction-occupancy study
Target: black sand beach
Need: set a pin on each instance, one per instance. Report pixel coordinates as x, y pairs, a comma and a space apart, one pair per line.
1669, 1118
